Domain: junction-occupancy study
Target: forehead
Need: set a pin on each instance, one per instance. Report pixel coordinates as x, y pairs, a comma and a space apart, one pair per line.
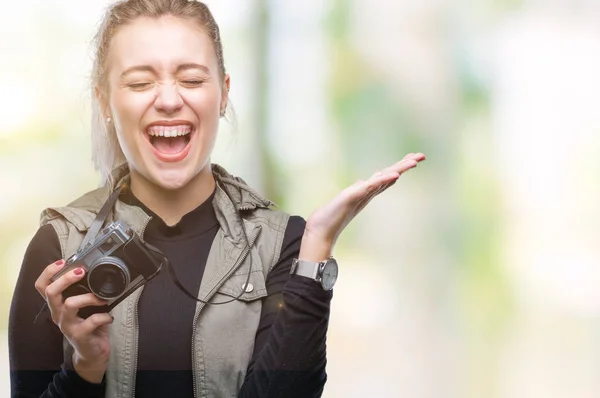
162, 43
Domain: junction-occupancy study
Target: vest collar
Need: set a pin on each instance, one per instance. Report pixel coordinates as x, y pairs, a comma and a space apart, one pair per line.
232, 196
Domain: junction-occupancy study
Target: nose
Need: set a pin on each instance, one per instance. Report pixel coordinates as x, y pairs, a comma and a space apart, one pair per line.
168, 100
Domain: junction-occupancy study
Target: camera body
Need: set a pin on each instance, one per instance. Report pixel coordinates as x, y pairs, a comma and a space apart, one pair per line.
116, 263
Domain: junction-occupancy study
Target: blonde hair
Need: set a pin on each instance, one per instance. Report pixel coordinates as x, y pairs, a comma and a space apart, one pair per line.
106, 151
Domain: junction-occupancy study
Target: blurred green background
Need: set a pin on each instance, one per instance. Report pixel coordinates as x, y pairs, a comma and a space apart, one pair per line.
477, 274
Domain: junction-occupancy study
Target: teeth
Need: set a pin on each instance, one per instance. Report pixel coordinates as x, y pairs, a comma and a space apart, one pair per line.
169, 131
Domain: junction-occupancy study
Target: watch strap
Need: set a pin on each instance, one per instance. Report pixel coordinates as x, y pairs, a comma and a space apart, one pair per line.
308, 269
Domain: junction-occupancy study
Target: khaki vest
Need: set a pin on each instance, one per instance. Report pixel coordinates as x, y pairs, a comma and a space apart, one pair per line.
223, 335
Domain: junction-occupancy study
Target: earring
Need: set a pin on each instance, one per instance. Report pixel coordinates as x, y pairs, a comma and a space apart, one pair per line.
108, 120
222, 113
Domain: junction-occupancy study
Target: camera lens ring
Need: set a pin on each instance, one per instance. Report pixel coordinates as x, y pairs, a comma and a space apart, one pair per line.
108, 277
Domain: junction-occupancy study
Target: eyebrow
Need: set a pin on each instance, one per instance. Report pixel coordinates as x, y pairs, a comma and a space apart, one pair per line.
148, 68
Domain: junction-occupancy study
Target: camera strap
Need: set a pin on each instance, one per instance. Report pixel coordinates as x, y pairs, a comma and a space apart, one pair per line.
178, 283
101, 217
93, 230
103, 214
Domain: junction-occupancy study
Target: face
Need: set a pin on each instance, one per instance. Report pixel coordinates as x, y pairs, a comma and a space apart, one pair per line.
165, 96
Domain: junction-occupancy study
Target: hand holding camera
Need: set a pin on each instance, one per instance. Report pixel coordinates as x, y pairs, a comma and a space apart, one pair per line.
89, 337
83, 289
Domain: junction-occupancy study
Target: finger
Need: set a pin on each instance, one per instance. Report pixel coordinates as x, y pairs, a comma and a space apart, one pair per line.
419, 157
75, 303
385, 175
45, 277
55, 289
93, 322
407, 160
398, 168
401, 166
416, 156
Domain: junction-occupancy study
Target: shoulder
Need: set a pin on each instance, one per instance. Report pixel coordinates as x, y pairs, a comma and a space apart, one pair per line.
43, 249
285, 228
280, 221
69, 223
78, 212
269, 216
82, 210
45, 240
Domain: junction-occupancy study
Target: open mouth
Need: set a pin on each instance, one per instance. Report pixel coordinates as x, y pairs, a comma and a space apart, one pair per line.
170, 143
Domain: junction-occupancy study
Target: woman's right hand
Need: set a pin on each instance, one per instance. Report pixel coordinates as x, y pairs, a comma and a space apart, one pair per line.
89, 337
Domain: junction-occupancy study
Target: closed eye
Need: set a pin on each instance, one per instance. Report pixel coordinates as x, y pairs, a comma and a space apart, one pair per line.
192, 83
140, 86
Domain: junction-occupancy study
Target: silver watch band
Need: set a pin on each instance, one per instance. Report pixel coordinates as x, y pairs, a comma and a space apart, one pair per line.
307, 269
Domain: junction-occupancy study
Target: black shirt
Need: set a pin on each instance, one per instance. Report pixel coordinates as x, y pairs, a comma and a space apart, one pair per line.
289, 354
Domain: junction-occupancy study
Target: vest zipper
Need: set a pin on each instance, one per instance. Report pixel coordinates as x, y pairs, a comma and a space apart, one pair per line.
136, 323
239, 260
136, 345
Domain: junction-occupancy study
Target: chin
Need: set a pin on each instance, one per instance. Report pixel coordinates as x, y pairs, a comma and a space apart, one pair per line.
171, 180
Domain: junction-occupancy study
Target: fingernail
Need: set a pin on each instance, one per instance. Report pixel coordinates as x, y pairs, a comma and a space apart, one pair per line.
78, 271
60, 262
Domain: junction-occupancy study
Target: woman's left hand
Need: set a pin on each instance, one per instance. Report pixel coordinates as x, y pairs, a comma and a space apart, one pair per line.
325, 225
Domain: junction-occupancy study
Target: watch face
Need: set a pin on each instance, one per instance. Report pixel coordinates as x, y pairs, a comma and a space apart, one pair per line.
330, 274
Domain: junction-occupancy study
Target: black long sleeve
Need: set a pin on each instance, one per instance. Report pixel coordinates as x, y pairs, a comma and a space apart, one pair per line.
289, 356
290, 352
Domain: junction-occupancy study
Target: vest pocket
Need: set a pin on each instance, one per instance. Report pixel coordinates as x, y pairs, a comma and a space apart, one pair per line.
255, 288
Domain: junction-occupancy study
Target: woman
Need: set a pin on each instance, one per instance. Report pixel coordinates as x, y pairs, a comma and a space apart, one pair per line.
160, 89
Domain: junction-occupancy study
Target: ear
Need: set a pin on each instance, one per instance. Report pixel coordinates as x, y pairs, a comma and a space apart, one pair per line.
102, 101
225, 91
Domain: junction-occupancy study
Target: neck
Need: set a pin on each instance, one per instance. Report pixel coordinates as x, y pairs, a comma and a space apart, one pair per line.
172, 205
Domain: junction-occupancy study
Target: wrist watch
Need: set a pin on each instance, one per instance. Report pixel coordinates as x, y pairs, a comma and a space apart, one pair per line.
324, 272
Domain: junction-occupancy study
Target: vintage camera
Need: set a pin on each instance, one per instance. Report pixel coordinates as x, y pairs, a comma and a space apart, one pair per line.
116, 263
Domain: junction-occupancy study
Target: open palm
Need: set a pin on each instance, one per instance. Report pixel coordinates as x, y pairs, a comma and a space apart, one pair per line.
326, 223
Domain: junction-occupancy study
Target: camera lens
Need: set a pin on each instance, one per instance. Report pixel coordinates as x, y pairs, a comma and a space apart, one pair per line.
108, 277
